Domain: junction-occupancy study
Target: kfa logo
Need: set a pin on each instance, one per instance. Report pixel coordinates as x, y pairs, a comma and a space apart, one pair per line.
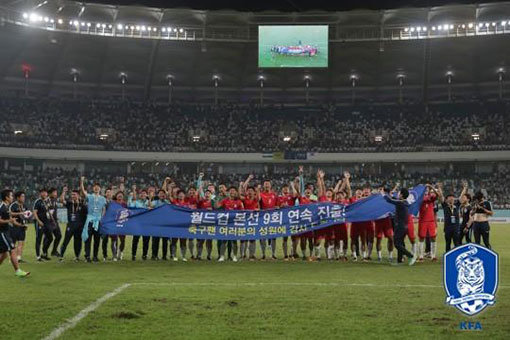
470, 278
470, 326
412, 196
122, 217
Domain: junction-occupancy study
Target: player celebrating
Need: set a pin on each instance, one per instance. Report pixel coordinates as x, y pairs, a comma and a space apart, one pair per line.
268, 200
205, 202
286, 199
18, 231
327, 233
251, 199
6, 244
427, 223
95, 209
231, 203
180, 201
384, 227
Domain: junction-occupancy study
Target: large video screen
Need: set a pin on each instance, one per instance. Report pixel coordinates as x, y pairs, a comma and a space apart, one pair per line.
293, 46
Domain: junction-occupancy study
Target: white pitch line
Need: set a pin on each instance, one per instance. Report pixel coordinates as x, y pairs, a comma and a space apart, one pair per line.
320, 284
70, 323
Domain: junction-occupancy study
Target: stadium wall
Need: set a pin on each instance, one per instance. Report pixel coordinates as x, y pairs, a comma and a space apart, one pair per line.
277, 157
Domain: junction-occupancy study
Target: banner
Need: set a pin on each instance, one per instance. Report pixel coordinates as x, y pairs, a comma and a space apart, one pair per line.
178, 222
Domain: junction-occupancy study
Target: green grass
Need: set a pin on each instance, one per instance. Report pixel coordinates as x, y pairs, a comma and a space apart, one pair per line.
202, 300
270, 36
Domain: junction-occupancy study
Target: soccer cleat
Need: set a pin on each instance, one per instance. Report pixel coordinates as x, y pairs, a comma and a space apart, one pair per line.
154, 258
184, 259
121, 257
45, 257
88, 260
144, 257
234, 258
209, 258
175, 259
434, 259
21, 273
420, 259
76, 259
286, 258
164, 258
221, 259
133, 258
115, 259
39, 259
274, 257
105, 259
22, 261
55, 253
95, 259
412, 260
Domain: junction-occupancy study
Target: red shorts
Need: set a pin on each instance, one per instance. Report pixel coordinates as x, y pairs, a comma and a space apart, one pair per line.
410, 229
425, 228
356, 229
340, 232
383, 229
369, 230
325, 233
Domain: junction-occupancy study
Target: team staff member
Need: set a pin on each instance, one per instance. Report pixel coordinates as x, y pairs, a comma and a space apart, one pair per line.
401, 220
76, 214
6, 243
451, 210
53, 223
465, 212
481, 212
143, 203
95, 209
42, 218
18, 231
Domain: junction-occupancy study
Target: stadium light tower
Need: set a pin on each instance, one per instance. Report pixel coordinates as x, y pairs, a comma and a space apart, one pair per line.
261, 79
123, 80
400, 79
170, 80
307, 79
501, 77
216, 81
449, 79
354, 78
75, 77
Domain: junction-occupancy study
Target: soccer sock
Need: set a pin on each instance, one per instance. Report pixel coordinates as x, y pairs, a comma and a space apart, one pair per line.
422, 248
331, 252
370, 245
390, 255
243, 247
285, 249
173, 250
414, 248
379, 254
252, 248
263, 247
183, 251
433, 249
191, 246
364, 254
273, 247
18, 257
317, 251
200, 247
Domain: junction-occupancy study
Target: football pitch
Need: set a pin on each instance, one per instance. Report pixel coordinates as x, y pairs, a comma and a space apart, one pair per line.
245, 300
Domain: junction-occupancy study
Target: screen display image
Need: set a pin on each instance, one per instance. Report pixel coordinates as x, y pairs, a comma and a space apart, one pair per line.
293, 46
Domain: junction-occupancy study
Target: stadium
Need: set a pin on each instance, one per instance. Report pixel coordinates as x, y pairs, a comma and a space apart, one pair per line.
233, 170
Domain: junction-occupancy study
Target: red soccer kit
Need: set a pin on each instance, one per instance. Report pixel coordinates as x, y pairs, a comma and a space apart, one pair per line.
427, 218
384, 226
410, 228
178, 203
304, 201
341, 229
268, 200
357, 228
251, 204
229, 204
328, 232
285, 201
192, 202
205, 204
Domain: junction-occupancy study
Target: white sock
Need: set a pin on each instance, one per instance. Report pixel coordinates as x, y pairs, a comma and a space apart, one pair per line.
364, 254
317, 251
379, 254
422, 248
342, 248
18, 257
414, 248
390, 255
433, 249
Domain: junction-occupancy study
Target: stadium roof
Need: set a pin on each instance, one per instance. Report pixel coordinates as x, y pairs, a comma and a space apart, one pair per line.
225, 44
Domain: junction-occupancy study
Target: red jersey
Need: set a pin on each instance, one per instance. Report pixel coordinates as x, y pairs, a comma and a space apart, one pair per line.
192, 202
286, 201
205, 204
427, 208
324, 199
251, 204
268, 200
345, 201
353, 199
229, 204
304, 200
181, 203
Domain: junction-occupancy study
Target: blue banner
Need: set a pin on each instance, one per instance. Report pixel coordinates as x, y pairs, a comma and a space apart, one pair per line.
178, 222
